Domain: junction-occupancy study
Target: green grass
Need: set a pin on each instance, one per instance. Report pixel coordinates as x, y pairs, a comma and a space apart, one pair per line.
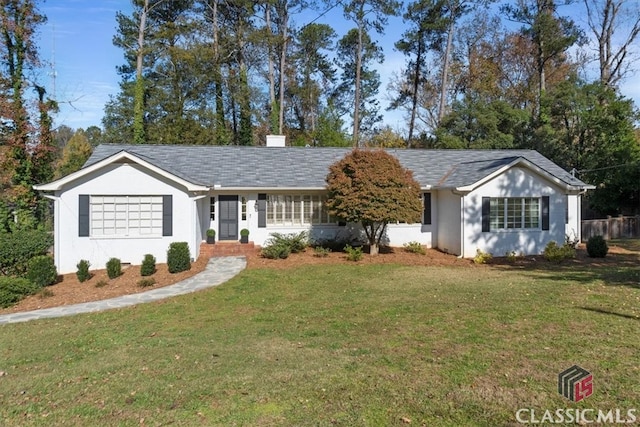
334, 345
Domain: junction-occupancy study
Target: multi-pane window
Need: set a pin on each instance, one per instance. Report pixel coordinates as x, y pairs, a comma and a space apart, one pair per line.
297, 210
243, 208
212, 208
514, 212
126, 215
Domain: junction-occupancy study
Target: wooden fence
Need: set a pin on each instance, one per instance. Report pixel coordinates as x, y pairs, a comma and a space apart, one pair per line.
612, 227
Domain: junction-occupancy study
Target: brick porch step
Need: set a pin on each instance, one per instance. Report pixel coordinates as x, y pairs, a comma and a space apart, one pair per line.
227, 249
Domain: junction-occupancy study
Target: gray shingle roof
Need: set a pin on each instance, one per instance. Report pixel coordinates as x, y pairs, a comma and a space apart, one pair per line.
307, 167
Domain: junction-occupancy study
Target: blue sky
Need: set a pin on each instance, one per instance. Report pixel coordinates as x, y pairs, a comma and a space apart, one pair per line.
78, 39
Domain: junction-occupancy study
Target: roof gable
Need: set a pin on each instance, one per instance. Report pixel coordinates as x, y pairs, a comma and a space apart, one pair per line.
121, 156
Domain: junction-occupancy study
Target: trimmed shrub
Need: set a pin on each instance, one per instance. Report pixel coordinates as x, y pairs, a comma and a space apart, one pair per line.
554, 253
114, 268
41, 271
13, 289
353, 254
414, 248
17, 248
146, 282
597, 247
482, 257
296, 242
275, 251
321, 252
83, 273
45, 293
279, 245
148, 266
178, 257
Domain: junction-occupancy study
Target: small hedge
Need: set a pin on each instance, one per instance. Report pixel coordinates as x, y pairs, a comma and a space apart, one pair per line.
178, 257
41, 271
414, 248
18, 247
279, 245
353, 253
83, 273
554, 253
597, 247
275, 251
148, 266
114, 268
13, 289
146, 282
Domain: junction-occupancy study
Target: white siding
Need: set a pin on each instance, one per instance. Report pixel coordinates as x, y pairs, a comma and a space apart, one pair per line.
573, 227
119, 179
448, 207
396, 234
516, 182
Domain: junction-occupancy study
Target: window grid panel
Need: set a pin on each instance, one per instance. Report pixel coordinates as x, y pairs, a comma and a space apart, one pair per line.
497, 214
243, 208
297, 210
514, 213
126, 215
212, 208
531, 212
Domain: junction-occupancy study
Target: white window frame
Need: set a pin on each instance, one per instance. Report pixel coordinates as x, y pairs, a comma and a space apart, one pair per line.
289, 210
125, 216
515, 213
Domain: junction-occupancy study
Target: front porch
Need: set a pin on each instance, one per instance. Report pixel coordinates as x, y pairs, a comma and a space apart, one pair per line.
228, 248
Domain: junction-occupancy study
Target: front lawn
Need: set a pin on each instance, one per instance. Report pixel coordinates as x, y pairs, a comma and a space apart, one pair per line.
340, 345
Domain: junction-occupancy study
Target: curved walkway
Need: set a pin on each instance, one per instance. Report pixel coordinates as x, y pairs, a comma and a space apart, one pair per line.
217, 271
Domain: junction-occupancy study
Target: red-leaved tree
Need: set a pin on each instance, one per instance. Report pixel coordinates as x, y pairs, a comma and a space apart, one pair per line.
372, 188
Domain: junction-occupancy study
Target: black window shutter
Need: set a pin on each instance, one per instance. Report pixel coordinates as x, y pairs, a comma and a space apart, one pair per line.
545, 212
167, 215
262, 210
83, 215
486, 214
426, 217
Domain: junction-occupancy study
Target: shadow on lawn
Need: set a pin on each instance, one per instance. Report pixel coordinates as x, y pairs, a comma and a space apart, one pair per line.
617, 269
609, 312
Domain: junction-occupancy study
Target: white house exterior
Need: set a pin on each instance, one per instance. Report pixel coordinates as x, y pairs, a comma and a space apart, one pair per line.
132, 200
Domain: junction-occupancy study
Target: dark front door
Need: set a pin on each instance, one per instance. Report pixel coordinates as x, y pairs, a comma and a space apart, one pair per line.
228, 218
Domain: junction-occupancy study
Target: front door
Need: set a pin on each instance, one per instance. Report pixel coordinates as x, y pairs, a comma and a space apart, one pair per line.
228, 217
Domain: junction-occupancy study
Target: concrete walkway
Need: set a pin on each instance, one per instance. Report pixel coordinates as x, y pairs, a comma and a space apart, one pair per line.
217, 271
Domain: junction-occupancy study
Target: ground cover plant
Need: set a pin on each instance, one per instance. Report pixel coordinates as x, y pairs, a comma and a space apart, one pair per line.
348, 344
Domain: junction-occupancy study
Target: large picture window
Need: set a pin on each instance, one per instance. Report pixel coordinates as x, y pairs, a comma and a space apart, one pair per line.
297, 210
514, 212
126, 216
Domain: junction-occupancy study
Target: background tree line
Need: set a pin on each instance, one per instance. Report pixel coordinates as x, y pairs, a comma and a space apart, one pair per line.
478, 74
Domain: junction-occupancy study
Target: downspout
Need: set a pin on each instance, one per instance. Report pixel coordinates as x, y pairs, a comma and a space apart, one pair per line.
462, 221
